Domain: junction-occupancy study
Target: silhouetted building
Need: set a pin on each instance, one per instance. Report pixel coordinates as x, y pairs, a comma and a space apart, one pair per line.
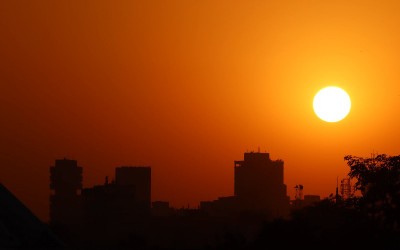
20, 228
122, 201
258, 188
109, 204
259, 185
223, 206
140, 179
65, 186
161, 208
310, 199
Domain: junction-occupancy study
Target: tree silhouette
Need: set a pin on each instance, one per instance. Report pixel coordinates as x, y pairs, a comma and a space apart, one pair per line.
378, 179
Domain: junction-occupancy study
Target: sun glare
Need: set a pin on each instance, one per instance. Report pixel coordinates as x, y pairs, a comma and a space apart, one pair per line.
331, 104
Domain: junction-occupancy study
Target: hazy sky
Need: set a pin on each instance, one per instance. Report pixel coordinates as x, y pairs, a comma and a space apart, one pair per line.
188, 86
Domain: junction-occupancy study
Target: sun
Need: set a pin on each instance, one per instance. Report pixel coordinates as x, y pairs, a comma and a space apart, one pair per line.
332, 104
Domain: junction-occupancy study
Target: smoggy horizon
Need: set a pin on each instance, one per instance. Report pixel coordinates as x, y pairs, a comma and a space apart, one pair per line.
187, 87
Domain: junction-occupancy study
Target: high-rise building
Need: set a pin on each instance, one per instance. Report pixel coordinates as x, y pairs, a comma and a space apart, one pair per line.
65, 186
140, 179
259, 184
105, 206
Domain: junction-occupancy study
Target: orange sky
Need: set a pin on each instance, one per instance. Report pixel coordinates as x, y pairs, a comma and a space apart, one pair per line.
188, 86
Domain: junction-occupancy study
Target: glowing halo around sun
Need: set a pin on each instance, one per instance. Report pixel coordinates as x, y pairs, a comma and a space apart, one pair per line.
332, 104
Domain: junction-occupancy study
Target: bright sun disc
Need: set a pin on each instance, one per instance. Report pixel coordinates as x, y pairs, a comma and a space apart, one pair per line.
331, 104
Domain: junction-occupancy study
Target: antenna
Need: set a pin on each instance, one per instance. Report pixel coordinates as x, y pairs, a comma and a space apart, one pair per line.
337, 188
373, 156
345, 188
299, 191
337, 181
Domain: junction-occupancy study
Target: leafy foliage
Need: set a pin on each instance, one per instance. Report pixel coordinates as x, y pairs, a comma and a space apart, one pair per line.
378, 179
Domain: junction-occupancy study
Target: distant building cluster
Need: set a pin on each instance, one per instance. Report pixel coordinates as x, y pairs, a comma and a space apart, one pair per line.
258, 188
120, 201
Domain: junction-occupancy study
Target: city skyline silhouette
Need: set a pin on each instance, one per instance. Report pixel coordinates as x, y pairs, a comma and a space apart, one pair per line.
120, 214
258, 187
187, 88
122, 207
184, 87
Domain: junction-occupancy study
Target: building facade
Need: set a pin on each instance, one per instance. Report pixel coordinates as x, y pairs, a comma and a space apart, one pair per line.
140, 178
65, 187
259, 184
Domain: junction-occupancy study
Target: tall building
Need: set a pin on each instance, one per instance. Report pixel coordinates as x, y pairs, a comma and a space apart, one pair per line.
259, 184
121, 202
65, 186
140, 179
109, 204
